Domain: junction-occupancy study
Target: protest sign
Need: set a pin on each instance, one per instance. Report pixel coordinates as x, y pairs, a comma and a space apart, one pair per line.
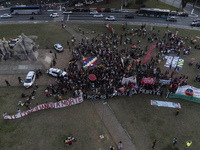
60, 104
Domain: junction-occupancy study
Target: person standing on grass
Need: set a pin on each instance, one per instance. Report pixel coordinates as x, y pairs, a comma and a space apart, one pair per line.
177, 112
188, 144
174, 141
20, 79
7, 83
112, 147
120, 145
154, 143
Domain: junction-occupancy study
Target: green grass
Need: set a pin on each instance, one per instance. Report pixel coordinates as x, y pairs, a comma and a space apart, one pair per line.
48, 34
160, 123
161, 5
145, 122
100, 28
47, 129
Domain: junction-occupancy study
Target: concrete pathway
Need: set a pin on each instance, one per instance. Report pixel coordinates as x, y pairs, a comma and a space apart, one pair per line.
112, 124
108, 117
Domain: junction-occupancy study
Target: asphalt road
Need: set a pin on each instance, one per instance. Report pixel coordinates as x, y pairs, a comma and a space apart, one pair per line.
85, 16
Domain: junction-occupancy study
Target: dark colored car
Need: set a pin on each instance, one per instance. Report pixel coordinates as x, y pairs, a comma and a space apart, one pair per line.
75, 10
131, 16
173, 13
183, 14
98, 9
195, 24
85, 10
107, 10
197, 20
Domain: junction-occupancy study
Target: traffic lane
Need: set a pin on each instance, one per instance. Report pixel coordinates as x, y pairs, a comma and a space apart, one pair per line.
27, 17
180, 20
88, 16
103, 13
4, 11
43, 17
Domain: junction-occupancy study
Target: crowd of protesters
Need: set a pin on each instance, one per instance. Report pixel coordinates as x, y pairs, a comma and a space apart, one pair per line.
119, 56
117, 63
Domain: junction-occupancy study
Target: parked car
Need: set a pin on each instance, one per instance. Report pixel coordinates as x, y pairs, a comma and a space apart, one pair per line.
89, 3
79, 4
172, 18
195, 24
116, 10
98, 16
76, 10
54, 15
55, 72
67, 12
98, 9
93, 12
13, 42
107, 10
85, 10
183, 14
30, 79
173, 13
110, 18
129, 16
58, 48
6, 16
197, 20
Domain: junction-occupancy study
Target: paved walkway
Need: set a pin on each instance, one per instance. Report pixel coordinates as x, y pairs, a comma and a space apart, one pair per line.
109, 119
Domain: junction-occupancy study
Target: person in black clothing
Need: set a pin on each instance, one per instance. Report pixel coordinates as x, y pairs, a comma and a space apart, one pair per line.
7, 83
20, 79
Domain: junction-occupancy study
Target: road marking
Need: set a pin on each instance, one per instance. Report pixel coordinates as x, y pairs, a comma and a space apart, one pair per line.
68, 17
22, 67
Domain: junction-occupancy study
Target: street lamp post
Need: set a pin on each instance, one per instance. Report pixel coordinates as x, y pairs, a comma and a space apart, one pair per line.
101, 136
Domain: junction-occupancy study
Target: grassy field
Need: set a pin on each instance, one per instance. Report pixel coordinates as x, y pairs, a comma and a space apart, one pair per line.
46, 129
48, 34
145, 122
100, 28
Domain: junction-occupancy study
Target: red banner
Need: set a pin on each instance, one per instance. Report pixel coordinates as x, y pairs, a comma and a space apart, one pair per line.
60, 104
148, 80
109, 27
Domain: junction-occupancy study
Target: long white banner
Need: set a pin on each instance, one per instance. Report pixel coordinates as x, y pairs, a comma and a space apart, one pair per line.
60, 104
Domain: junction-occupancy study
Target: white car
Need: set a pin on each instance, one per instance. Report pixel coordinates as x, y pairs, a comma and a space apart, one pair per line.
94, 12
79, 4
54, 15
98, 16
56, 72
58, 48
67, 12
6, 16
89, 3
30, 79
110, 18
